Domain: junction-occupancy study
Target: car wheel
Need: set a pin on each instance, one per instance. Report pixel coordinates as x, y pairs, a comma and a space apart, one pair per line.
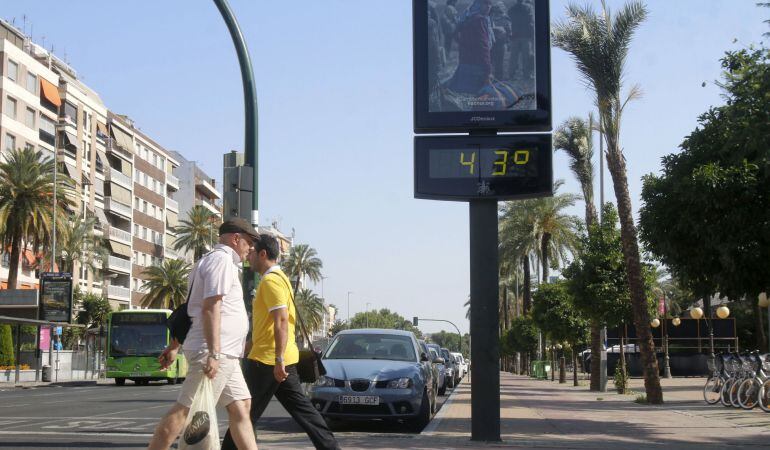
442, 389
120, 381
423, 417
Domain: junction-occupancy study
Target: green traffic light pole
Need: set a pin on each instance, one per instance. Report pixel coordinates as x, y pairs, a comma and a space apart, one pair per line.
251, 144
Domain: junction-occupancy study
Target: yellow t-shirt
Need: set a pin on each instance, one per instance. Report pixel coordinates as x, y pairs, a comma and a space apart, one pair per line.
274, 292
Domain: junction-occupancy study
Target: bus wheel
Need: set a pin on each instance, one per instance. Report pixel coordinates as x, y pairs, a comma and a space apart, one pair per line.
171, 380
120, 381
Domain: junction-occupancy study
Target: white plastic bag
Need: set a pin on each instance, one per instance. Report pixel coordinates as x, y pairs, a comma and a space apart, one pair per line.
200, 430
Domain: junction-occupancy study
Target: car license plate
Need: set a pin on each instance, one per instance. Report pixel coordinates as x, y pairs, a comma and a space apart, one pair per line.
359, 400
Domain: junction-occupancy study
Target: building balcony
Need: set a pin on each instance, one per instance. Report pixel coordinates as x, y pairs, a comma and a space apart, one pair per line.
116, 234
116, 207
172, 204
118, 264
172, 181
119, 178
210, 207
119, 293
208, 189
113, 147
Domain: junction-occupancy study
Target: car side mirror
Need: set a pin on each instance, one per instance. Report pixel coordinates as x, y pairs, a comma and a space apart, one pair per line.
423, 357
439, 360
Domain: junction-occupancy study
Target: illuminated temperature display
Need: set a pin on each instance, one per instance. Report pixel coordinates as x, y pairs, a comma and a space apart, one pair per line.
483, 163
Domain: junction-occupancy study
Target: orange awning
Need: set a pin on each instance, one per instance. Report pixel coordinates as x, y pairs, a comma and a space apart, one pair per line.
50, 92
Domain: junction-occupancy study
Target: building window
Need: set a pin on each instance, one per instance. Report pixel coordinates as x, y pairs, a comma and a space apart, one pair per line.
13, 70
32, 82
9, 108
29, 118
47, 125
10, 142
136, 230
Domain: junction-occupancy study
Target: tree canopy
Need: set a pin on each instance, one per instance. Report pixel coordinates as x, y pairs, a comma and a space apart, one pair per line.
707, 216
555, 314
383, 318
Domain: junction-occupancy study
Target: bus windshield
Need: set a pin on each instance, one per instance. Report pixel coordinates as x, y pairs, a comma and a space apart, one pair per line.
138, 334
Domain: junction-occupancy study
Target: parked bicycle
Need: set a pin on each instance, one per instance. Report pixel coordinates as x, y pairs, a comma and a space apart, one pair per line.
712, 391
741, 370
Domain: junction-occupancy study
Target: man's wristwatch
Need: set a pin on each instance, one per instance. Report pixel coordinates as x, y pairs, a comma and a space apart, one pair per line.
279, 359
215, 356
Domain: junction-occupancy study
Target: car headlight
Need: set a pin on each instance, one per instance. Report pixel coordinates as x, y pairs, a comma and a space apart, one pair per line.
400, 383
324, 382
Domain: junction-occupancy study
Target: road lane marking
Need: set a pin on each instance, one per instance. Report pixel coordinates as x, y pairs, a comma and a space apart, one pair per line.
72, 433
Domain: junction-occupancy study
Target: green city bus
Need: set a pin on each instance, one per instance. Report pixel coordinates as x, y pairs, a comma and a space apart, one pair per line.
135, 339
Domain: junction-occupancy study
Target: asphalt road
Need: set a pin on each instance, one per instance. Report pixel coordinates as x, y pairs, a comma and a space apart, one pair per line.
111, 417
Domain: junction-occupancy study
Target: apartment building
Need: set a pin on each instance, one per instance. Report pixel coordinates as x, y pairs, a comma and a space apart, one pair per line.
30, 105
123, 177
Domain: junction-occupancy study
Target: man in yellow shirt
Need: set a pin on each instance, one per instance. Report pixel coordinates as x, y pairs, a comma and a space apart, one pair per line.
271, 366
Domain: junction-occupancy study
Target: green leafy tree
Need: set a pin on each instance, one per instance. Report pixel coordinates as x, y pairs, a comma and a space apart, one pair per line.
599, 44
707, 216
197, 233
337, 326
93, 310
7, 355
451, 341
383, 318
166, 285
303, 261
26, 204
521, 337
311, 308
554, 313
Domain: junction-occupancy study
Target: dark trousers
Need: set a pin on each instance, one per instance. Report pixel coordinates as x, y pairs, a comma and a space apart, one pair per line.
262, 385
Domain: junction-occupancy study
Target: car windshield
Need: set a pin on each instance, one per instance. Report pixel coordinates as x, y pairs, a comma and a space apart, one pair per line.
372, 346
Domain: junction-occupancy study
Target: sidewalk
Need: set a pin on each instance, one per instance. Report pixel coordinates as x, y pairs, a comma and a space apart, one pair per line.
546, 414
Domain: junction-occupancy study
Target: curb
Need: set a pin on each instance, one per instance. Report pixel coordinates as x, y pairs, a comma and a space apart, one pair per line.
436, 421
32, 384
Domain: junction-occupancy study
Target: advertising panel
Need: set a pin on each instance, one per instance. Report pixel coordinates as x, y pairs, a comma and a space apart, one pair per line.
55, 297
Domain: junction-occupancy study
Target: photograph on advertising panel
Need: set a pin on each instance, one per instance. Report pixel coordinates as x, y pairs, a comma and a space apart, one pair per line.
481, 55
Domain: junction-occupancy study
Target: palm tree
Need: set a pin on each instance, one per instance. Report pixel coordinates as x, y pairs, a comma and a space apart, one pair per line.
303, 262
557, 231
94, 310
574, 138
198, 232
166, 285
599, 43
310, 308
77, 243
26, 203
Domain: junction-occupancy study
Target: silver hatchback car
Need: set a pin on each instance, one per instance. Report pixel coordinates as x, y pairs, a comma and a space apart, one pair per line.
376, 374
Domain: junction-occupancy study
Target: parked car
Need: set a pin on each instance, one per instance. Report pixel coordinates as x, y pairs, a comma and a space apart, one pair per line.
462, 367
451, 367
438, 360
375, 374
433, 367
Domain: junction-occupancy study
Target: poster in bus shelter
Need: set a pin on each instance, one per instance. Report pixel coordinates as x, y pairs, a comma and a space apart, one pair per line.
55, 297
482, 64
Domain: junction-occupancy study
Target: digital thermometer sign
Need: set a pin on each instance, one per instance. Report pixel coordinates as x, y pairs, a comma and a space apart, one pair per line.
467, 167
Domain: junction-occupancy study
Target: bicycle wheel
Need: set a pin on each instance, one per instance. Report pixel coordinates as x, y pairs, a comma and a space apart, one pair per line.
734, 393
712, 389
724, 394
747, 393
763, 396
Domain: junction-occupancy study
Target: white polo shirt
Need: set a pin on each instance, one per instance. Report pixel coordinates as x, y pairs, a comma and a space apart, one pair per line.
217, 273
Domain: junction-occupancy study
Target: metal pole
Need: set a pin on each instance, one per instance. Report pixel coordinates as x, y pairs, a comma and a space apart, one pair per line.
485, 387
251, 129
456, 328
666, 364
603, 332
349, 292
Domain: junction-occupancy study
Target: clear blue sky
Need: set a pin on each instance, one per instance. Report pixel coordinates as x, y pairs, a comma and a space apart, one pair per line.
334, 81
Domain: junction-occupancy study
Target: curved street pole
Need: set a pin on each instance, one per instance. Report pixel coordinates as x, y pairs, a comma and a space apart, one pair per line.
251, 145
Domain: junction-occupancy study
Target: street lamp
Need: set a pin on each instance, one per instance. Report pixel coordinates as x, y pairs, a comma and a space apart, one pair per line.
367, 314
349, 292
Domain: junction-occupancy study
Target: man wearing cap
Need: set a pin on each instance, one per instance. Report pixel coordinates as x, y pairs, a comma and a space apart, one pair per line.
215, 342
271, 366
